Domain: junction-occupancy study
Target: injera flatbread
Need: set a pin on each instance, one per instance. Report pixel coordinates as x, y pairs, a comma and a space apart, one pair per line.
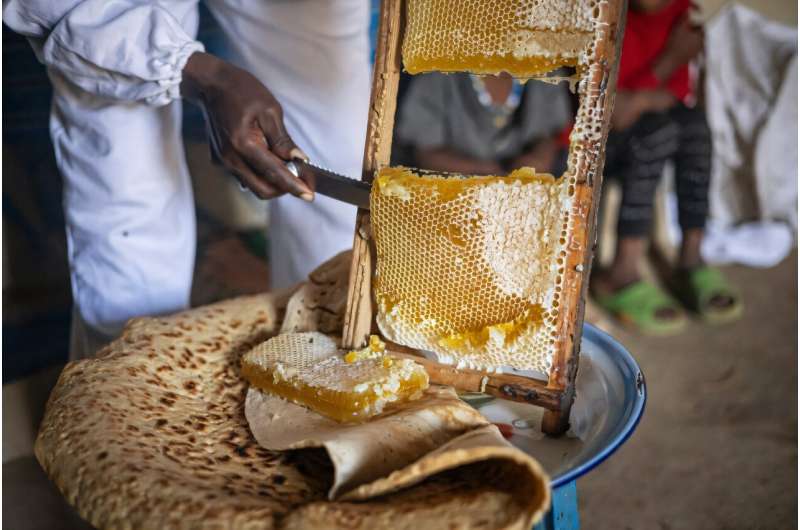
152, 434
398, 448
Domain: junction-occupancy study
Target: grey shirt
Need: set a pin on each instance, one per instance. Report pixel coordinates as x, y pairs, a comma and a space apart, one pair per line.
443, 110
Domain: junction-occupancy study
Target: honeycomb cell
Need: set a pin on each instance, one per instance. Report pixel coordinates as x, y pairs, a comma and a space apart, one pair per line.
467, 267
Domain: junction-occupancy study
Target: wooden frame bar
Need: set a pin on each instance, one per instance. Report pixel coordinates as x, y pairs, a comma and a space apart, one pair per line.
596, 92
359, 314
587, 164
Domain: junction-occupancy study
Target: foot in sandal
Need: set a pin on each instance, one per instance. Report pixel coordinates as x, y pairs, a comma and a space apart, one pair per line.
638, 304
705, 291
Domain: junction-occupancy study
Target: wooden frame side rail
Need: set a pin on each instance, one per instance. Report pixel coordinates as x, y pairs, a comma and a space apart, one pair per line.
359, 314
586, 159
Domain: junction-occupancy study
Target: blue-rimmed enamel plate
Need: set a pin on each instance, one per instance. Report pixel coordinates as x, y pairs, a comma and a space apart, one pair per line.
610, 398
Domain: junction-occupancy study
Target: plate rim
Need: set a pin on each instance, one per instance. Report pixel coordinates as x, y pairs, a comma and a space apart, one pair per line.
610, 345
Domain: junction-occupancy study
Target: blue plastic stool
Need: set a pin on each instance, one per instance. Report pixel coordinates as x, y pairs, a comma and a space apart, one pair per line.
563, 514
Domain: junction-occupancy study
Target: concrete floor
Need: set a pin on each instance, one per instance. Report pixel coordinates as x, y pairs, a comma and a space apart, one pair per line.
716, 449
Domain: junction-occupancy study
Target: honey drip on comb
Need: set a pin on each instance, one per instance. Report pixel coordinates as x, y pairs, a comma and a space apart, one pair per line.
508, 331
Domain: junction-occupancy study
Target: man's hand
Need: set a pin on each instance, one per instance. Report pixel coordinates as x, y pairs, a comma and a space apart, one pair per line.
629, 106
246, 125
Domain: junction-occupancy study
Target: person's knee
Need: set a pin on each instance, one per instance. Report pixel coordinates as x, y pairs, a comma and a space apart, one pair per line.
693, 122
655, 138
651, 122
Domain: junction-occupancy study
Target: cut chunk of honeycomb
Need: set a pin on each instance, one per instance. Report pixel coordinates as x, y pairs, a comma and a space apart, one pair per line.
375, 348
308, 369
470, 267
526, 38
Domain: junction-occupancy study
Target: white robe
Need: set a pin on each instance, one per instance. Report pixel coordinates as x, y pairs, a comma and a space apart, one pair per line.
751, 101
115, 123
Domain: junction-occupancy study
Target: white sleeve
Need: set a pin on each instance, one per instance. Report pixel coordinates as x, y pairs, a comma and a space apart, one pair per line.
122, 49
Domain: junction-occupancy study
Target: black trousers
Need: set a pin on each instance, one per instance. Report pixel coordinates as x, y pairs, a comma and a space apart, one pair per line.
637, 157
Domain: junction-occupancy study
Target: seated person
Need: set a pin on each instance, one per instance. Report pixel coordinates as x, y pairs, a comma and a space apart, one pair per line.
483, 125
652, 123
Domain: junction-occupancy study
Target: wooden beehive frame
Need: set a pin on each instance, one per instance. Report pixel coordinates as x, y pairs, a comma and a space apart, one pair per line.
585, 160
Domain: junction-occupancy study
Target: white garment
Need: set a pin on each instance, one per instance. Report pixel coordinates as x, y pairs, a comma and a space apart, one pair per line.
751, 100
122, 49
116, 68
762, 244
314, 56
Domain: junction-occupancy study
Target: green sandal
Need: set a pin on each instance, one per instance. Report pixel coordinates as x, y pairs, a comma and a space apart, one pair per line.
636, 306
697, 287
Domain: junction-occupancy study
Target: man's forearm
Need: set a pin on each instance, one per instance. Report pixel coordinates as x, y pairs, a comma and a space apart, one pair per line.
665, 65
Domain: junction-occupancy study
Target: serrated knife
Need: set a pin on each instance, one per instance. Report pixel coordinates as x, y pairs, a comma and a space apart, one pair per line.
332, 184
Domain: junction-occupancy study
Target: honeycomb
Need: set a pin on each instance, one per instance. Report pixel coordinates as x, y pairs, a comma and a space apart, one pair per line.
526, 38
306, 368
374, 348
470, 267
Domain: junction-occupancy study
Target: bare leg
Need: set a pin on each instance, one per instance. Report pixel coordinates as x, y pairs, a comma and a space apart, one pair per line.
689, 257
624, 271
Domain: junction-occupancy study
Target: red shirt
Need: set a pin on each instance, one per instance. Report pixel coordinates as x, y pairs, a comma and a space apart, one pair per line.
646, 36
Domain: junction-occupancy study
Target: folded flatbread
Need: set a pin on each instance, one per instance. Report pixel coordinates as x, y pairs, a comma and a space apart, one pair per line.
153, 434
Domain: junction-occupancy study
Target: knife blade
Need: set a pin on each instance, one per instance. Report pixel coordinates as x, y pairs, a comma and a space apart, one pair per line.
332, 184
